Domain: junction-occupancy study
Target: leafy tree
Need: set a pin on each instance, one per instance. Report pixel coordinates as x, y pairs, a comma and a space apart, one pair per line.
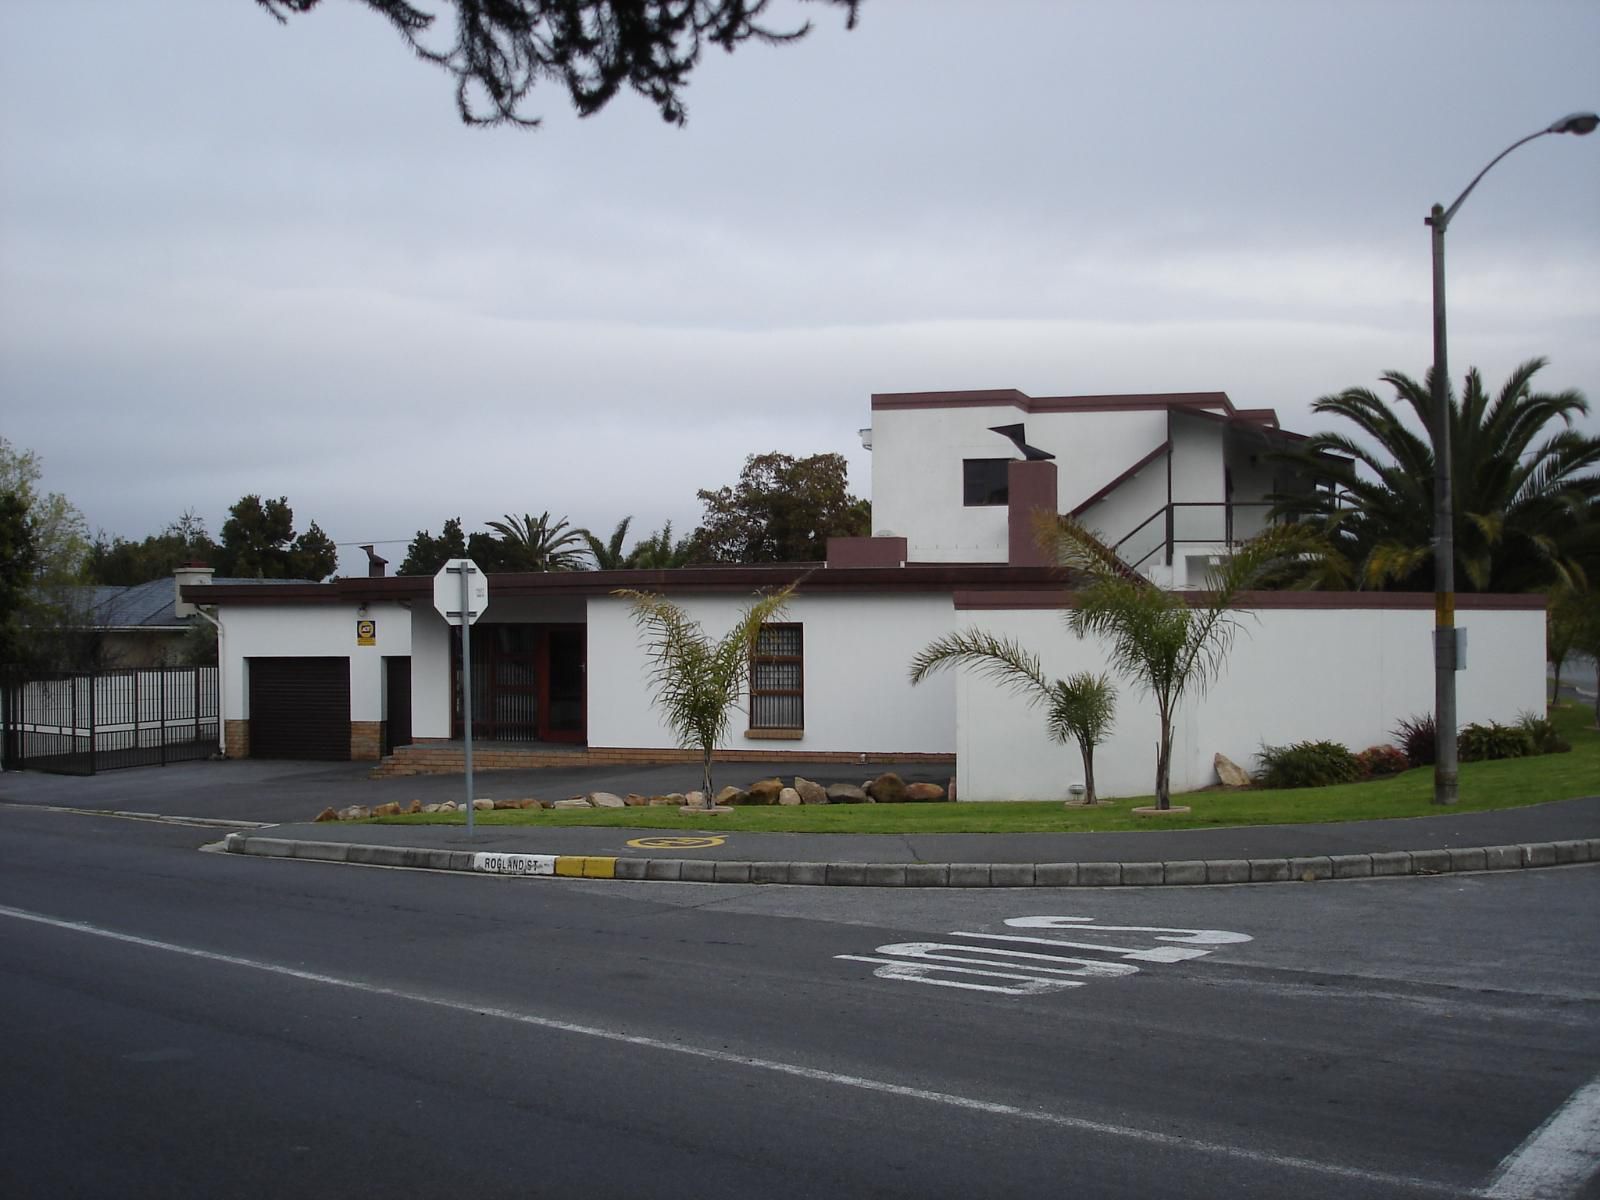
783, 509
18, 555
1525, 485
697, 681
259, 542
118, 562
1170, 643
1563, 626
426, 553
1080, 708
608, 555
60, 534
659, 552
532, 543
593, 47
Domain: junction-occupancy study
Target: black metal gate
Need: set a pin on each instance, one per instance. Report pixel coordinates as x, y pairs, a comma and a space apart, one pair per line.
80, 724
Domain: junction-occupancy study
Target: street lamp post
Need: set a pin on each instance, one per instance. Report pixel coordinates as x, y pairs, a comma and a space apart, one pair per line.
1445, 789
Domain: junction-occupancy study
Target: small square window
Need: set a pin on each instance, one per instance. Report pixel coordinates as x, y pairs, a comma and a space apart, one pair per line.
985, 482
777, 679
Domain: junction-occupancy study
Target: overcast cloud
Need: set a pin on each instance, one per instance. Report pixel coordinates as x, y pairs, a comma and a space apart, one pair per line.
238, 257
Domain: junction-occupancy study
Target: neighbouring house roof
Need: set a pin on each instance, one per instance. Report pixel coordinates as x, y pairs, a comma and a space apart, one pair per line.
1217, 402
149, 606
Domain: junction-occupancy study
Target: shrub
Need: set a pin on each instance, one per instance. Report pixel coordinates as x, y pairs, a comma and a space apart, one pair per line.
1543, 734
1307, 764
1418, 738
1376, 761
1476, 743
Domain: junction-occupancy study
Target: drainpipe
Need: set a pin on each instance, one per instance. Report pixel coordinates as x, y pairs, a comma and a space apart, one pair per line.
222, 691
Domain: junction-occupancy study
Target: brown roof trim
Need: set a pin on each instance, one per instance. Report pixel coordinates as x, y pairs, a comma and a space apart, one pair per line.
1164, 448
1010, 397
1060, 598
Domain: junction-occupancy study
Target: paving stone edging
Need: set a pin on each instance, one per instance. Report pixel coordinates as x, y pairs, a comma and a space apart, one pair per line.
962, 875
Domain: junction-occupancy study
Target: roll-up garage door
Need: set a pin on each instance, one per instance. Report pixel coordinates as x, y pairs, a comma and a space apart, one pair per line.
300, 708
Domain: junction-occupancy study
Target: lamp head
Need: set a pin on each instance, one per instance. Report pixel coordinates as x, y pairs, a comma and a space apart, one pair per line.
1578, 122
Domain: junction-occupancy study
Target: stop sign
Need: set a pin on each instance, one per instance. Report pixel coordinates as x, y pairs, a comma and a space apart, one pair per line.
447, 593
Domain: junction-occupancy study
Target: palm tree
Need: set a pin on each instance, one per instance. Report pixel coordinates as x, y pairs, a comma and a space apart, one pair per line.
1523, 494
1079, 708
533, 544
608, 555
659, 552
1170, 643
697, 681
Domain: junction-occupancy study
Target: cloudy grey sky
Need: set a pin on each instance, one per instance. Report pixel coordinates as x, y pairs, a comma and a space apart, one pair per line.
238, 257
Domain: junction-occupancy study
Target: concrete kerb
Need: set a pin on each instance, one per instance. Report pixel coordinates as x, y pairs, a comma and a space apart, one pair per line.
1185, 873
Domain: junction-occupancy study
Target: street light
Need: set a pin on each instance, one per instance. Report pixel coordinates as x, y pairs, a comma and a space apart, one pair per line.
1444, 601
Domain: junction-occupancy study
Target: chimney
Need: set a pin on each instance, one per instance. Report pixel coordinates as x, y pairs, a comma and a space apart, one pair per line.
189, 573
375, 564
1031, 489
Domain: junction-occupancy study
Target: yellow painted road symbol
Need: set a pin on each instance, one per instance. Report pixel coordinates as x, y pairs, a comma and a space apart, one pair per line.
677, 843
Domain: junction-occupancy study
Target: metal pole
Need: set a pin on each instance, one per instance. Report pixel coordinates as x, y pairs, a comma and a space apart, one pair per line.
1445, 772
466, 690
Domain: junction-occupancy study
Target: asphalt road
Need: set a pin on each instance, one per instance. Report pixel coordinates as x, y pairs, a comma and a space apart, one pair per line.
179, 1023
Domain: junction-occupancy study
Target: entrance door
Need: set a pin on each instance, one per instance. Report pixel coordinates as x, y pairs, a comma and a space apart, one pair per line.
565, 691
527, 683
396, 703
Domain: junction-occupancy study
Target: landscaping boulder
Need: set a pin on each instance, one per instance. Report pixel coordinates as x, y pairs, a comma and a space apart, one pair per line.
731, 795
574, 802
328, 814
634, 800
810, 793
430, 808
449, 806
846, 793
482, 804
356, 812
789, 796
924, 792
887, 788
1231, 773
529, 802
950, 789
765, 791
673, 799
391, 809
698, 799
414, 807
503, 804
607, 800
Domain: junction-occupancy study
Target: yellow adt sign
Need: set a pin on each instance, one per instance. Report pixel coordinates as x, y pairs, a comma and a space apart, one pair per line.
366, 633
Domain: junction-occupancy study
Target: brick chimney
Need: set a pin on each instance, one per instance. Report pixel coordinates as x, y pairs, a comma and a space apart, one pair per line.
375, 563
188, 573
1031, 488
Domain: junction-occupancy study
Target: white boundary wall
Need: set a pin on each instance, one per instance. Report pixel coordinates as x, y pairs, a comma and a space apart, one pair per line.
858, 694
1295, 674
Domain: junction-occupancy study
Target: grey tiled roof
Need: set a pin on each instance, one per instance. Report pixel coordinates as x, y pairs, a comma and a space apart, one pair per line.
146, 605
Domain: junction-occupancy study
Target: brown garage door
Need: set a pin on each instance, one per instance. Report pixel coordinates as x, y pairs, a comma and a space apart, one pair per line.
300, 708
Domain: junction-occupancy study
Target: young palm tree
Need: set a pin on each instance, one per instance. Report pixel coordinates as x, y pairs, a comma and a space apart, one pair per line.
1171, 643
697, 681
1523, 492
1080, 708
608, 555
533, 544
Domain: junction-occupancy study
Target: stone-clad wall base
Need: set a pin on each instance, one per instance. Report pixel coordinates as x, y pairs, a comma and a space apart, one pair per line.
236, 739
366, 741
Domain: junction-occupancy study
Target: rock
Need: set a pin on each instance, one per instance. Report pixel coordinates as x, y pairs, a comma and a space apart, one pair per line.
732, 795
449, 806
887, 788
607, 800
950, 789
1230, 772
483, 805
575, 802
430, 808
696, 798
765, 791
634, 800
924, 792
414, 807
810, 793
504, 804
327, 814
789, 796
663, 801
529, 802
846, 793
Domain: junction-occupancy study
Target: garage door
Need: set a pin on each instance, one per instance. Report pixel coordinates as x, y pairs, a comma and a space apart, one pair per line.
300, 708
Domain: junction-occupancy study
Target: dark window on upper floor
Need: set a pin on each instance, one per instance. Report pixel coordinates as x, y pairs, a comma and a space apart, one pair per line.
984, 481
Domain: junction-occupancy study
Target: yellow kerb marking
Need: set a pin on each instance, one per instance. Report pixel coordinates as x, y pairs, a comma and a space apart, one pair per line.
580, 866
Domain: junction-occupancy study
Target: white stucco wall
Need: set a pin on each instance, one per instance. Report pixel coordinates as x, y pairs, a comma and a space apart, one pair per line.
1344, 675
310, 631
857, 695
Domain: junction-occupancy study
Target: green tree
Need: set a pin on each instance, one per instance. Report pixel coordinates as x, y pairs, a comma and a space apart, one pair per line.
697, 681
530, 543
608, 555
659, 552
426, 553
783, 509
259, 542
594, 48
1525, 482
17, 558
118, 562
1080, 708
48, 621
1171, 644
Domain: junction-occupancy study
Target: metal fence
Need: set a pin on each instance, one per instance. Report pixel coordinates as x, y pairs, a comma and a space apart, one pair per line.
80, 724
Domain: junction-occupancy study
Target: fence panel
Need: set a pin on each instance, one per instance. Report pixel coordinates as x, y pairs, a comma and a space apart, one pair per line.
81, 724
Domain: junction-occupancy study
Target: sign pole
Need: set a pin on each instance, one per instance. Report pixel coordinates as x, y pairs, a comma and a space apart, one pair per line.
466, 688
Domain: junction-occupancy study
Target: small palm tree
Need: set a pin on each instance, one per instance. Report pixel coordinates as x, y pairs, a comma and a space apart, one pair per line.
697, 681
1079, 708
608, 555
1171, 643
534, 544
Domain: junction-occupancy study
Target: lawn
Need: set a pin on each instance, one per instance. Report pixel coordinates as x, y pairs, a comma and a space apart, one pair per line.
1508, 783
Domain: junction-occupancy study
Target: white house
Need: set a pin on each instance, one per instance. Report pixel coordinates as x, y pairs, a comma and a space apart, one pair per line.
363, 668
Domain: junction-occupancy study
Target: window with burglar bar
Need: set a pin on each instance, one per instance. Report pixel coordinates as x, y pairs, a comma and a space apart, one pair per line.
777, 679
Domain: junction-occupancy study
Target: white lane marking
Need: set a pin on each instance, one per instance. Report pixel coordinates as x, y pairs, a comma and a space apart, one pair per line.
1199, 937
123, 814
1018, 959
1155, 954
1148, 1137
909, 972
1559, 1157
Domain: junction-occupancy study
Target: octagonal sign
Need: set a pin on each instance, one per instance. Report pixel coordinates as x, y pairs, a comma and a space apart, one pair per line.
447, 591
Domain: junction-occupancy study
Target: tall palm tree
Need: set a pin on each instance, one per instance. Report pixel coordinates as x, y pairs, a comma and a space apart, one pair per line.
1524, 491
608, 555
533, 544
1080, 708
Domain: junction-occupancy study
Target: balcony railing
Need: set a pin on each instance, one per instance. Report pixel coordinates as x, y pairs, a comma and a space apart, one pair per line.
1209, 523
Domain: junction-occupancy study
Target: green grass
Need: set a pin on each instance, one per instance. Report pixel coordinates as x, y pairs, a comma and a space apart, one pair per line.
1508, 783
